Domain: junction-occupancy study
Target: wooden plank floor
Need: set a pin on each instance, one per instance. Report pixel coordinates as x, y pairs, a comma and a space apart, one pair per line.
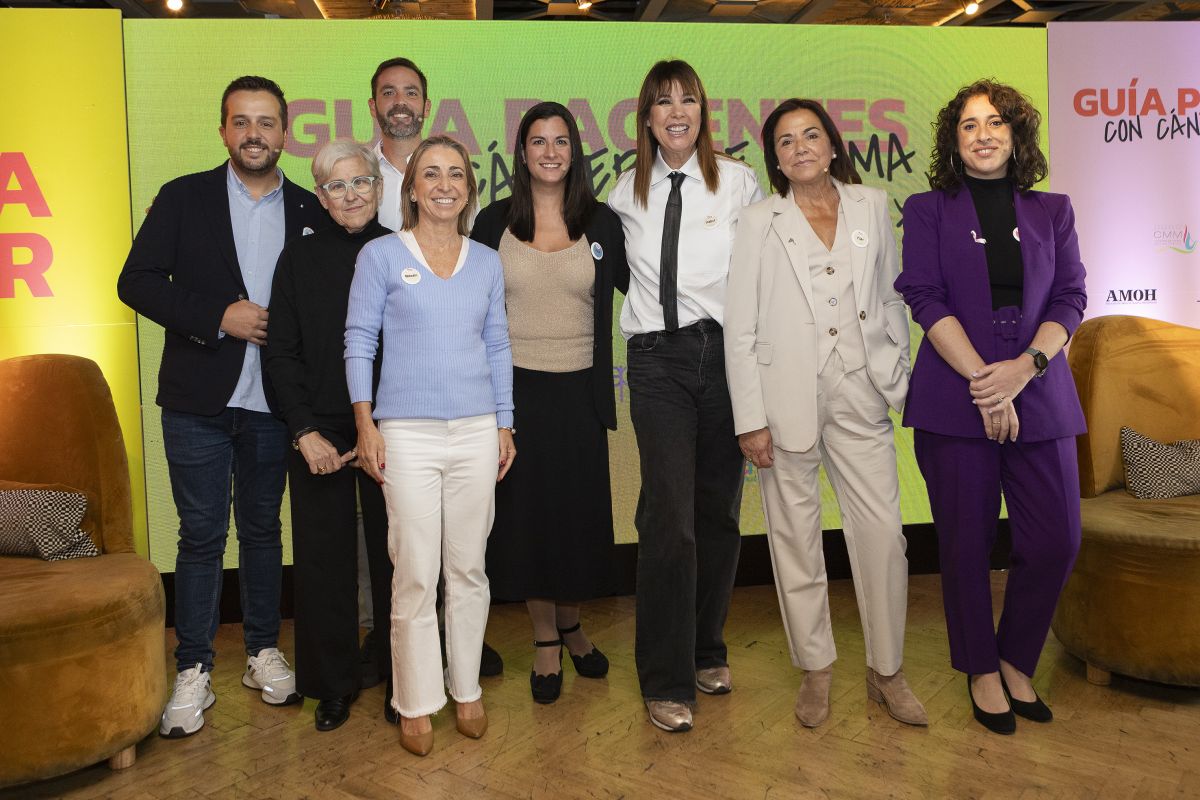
1132, 739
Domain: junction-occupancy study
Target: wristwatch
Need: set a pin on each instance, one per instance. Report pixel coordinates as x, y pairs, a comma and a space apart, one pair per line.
1040, 362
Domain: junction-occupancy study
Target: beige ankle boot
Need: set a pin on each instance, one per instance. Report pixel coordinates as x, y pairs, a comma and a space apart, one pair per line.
812, 704
893, 693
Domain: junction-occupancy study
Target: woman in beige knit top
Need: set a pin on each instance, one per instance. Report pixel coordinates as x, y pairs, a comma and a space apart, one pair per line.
563, 253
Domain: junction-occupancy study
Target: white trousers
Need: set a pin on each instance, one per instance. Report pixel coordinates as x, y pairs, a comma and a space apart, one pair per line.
440, 489
854, 442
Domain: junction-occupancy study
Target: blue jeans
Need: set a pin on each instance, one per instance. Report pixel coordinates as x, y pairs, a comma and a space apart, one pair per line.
207, 457
687, 513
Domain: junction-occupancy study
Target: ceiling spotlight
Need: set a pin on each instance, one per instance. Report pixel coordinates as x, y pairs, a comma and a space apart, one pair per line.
583, 5
175, 5
972, 8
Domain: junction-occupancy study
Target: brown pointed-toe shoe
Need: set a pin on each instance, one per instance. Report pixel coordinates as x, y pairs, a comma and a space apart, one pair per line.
894, 694
473, 728
419, 744
812, 703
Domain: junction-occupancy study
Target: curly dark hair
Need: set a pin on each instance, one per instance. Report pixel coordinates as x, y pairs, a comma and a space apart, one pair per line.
1027, 165
841, 166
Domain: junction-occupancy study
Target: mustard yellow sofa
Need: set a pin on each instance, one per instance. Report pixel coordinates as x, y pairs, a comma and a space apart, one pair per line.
82, 675
1132, 604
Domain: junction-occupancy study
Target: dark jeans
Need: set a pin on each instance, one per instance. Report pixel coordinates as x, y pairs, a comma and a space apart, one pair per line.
207, 457
687, 514
325, 546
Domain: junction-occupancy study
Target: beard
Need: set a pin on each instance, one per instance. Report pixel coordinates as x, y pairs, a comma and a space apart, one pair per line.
256, 167
400, 130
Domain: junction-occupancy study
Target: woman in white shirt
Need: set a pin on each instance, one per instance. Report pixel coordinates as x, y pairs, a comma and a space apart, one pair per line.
679, 206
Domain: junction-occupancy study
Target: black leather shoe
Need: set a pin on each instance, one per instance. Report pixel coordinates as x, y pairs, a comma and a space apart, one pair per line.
546, 688
1034, 711
490, 662
391, 715
332, 713
588, 665
1003, 723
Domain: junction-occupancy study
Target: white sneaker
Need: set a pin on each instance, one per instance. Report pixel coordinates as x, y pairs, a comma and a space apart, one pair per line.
184, 714
269, 672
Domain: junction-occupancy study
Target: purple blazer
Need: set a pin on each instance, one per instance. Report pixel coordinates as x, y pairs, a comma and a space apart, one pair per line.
945, 273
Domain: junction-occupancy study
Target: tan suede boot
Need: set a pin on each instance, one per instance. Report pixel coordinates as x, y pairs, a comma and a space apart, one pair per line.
812, 704
893, 693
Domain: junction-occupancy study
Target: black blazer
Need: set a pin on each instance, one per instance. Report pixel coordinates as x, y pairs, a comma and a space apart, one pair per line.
612, 272
183, 272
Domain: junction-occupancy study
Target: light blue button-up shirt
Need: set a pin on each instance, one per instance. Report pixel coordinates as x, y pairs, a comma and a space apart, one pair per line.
258, 235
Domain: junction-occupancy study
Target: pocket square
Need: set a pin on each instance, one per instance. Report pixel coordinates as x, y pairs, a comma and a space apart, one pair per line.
307, 230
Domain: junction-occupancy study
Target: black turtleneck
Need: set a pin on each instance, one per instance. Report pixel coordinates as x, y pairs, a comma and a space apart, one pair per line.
998, 217
306, 327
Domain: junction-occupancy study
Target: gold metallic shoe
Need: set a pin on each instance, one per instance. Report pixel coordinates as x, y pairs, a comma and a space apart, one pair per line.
895, 695
671, 716
419, 744
714, 680
812, 703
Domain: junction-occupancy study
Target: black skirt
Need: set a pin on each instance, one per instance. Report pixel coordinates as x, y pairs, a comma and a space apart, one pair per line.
553, 535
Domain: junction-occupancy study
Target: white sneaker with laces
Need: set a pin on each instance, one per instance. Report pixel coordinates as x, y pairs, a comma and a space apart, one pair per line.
184, 714
269, 672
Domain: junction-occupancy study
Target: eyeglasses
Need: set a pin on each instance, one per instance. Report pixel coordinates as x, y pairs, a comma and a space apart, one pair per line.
361, 185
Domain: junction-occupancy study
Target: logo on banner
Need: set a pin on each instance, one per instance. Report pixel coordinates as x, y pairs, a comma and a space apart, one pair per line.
1169, 112
1177, 238
1129, 296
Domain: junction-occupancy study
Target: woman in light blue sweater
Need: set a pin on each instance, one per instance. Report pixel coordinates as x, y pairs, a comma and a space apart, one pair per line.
440, 434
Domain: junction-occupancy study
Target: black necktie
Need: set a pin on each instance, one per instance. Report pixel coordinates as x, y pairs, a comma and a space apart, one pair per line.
668, 279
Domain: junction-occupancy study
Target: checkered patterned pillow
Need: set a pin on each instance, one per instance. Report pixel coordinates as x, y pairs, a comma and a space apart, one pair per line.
1159, 471
44, 523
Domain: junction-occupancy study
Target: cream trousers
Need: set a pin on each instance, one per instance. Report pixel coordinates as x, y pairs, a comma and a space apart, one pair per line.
439, 484
855, 444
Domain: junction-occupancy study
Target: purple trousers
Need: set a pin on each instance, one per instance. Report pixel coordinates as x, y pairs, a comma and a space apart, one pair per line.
1040, 483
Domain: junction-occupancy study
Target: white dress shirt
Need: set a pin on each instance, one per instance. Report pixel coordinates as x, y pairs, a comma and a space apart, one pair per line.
706, 229
393, 177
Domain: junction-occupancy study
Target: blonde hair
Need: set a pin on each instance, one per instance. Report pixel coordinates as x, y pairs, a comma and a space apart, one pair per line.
408, 206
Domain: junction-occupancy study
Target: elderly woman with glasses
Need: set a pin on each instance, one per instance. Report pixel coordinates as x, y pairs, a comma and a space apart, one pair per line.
438, 435
303, 361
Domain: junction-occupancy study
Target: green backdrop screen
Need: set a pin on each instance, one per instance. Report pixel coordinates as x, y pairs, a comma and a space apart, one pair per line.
882, 86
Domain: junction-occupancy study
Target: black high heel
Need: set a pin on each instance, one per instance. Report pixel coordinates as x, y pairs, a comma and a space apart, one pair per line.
1003, 722
1034, 711
589, 665
546, 688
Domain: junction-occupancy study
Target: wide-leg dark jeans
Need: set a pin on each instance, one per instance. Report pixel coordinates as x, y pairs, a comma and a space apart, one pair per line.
687, 515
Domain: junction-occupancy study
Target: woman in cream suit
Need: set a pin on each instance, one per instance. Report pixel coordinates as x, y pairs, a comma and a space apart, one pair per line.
816, 350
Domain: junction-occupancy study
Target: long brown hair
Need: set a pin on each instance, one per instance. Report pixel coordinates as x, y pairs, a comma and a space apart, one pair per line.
1027, 164
578, 201
657, 83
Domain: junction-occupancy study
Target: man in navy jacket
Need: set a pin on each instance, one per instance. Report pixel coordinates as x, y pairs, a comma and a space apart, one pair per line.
201, 266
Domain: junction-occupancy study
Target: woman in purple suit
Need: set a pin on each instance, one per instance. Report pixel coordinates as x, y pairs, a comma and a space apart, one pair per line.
992, 274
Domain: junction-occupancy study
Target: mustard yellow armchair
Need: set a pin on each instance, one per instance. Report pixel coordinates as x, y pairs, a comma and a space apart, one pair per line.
82, 676
1132, 604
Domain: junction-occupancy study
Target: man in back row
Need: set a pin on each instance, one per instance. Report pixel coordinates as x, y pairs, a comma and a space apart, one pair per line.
201, 266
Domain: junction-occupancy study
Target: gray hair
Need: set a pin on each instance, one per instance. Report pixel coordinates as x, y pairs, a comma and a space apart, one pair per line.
328, 156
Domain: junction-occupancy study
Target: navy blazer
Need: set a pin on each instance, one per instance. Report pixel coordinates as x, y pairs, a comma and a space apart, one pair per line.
183, 272
945, 273
612, 271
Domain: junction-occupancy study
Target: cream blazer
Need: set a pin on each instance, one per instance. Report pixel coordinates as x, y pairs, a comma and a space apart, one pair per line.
770, 327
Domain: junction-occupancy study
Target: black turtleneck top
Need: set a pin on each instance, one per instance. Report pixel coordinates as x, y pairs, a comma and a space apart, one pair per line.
306, 329
998, 217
